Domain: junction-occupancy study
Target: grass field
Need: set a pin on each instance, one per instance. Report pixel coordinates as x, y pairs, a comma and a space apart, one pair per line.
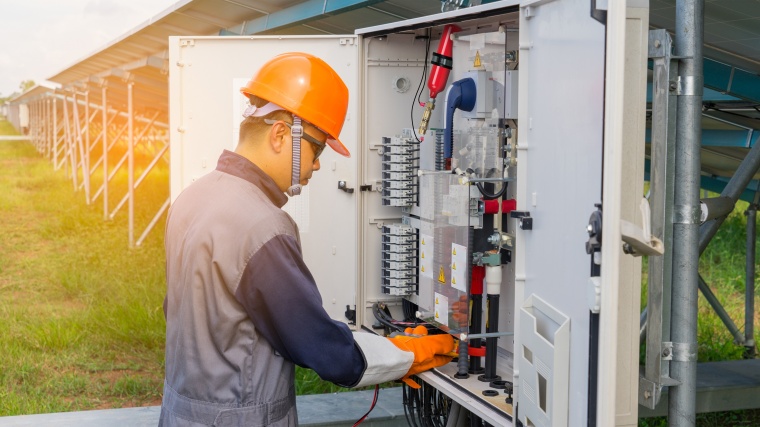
82, 321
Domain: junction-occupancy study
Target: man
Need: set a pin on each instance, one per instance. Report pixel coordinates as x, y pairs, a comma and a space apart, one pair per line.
242, 307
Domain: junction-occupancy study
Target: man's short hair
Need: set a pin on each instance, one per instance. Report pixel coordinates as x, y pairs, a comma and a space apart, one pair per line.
251, 126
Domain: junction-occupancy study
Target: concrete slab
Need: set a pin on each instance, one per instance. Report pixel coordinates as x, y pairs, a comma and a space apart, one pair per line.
335, 410
721, 386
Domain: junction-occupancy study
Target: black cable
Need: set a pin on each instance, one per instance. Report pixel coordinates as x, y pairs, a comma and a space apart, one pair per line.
383, 315
405, 403
420, 88
374, 402
484, 192
419, 91
489, 196
417, 406
383, 318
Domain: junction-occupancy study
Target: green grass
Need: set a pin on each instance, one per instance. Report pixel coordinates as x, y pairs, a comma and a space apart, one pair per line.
82, 321
6, 128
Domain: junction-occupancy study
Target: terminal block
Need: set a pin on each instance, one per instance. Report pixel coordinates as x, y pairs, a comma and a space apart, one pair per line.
400, 164
399, 259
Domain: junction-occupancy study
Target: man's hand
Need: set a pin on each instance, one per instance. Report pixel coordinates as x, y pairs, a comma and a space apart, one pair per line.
430, 351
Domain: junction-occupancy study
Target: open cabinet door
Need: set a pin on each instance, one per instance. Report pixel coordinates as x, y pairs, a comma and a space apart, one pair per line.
206, 106
560, 146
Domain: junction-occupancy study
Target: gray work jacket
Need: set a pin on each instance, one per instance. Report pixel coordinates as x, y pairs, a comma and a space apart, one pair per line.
241, 307
221, 365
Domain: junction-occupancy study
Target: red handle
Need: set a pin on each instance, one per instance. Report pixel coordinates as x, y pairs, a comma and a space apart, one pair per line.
442, 61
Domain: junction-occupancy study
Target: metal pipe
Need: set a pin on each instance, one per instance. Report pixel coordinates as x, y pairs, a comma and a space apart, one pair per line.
504, 179
50, 127
683, 368
56, 165
83, 158
715, 207
467, 337
131, 165
104, 140
86, 141
736, 185
749, 284
46, 120
69, 151
720, 311
153, 222
643, 326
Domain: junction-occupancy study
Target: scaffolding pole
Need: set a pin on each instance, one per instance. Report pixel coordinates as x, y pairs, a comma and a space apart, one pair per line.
683, 368
104, 138
131, 165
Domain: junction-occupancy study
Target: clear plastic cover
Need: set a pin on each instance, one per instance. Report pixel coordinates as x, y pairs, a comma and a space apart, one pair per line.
444, 267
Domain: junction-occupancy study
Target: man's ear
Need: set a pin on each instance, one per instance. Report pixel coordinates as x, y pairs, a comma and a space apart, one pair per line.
277, 135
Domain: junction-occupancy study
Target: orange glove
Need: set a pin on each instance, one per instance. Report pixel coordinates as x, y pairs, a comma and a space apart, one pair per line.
429, 350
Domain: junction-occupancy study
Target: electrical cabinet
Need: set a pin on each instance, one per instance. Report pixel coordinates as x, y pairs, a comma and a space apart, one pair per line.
479, 224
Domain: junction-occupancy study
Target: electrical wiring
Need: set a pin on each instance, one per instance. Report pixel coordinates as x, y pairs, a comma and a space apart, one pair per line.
489, 196
420, 88
408, 406
383, 315
374, 402
426, 406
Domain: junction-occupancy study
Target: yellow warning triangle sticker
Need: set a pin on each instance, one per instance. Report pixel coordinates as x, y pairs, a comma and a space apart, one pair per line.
454, 251
436, 315
477, 59
423, 241
436, 301
454, 266
422, 268
422, 255
442, 276
453, 280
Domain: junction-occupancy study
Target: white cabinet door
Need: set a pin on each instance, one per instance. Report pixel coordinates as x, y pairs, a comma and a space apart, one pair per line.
205, 77
561, 112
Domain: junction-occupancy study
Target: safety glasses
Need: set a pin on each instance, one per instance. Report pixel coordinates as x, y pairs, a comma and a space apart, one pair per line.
320, 146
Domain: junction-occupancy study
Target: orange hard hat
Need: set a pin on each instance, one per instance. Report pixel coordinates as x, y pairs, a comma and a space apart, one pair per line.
307, 87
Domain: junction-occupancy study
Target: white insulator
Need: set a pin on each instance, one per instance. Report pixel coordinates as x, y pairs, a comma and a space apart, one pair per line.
493, 279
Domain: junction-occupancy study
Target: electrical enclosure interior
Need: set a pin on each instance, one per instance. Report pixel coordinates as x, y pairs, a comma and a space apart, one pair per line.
488, 208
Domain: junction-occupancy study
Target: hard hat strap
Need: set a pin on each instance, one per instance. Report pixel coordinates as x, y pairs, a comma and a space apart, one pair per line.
296, 132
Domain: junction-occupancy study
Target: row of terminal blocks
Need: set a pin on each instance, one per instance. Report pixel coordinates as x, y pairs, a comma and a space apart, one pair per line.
400, 163
399, 259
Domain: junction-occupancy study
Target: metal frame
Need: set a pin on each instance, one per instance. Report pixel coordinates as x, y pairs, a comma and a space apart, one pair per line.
656, 372
675, 182
79, 128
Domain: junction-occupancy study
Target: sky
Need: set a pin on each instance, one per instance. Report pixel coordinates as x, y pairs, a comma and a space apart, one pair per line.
39, 38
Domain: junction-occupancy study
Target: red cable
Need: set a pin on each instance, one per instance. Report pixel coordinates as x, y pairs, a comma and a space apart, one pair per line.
374, 401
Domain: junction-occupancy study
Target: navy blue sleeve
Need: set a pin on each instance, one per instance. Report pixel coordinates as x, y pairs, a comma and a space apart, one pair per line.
281, 297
